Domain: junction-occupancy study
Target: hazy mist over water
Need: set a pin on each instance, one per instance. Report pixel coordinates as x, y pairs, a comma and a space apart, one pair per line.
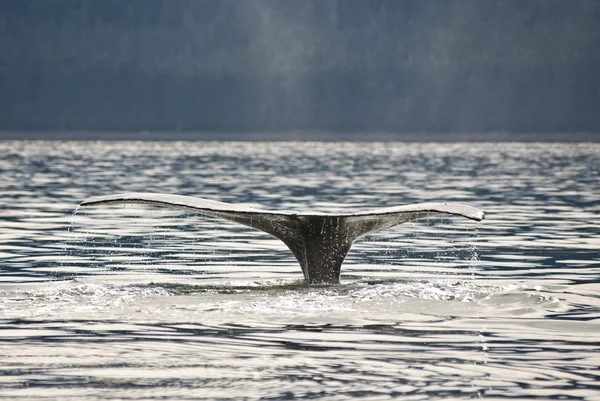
284, 66
148, 303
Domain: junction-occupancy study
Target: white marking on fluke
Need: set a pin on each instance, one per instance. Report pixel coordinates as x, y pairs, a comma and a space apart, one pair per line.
319, 241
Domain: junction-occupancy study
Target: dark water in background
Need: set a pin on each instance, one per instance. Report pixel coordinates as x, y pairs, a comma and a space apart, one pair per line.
149, 303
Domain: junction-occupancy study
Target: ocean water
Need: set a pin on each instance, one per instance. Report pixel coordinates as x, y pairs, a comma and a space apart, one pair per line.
146, 303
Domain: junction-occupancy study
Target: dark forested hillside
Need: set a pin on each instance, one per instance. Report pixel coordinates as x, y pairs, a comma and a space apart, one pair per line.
401, 65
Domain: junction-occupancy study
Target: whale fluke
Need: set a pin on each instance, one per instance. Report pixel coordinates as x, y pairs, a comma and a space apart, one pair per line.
319, 241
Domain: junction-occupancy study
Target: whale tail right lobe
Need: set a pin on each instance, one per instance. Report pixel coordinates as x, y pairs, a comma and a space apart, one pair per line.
320, 243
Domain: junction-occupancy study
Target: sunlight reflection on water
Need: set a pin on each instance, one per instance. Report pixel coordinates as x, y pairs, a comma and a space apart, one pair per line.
150, 303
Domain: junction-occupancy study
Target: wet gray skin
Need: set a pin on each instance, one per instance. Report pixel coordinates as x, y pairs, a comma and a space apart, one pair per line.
320, 242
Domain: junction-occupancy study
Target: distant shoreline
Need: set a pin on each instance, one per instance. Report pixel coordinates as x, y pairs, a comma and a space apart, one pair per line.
290, 136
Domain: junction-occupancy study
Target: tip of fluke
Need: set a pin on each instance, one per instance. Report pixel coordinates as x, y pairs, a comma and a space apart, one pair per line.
89, 202
479, 216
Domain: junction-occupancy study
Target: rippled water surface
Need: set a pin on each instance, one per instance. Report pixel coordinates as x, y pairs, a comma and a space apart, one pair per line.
135, 302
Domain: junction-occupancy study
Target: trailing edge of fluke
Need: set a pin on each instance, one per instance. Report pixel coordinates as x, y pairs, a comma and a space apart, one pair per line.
319, 241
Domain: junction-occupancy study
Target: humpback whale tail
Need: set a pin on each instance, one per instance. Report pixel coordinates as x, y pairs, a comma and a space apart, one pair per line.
319, 241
